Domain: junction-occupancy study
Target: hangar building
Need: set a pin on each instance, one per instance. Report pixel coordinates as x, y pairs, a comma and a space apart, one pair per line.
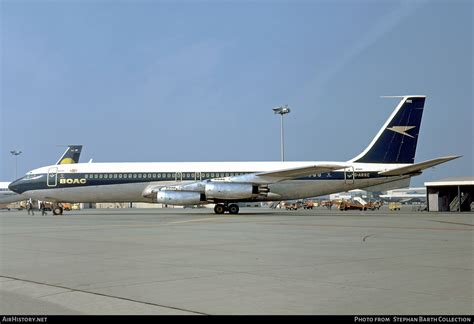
452, 194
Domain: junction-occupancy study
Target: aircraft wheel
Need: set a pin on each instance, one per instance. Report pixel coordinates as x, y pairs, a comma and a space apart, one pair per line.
219, 209
57, 211
233, 209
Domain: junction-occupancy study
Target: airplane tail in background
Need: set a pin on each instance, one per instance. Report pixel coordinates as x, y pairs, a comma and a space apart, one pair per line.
71, 155
397, 139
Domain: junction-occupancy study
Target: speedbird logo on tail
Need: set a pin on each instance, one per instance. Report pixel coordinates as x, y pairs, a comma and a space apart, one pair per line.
402, 130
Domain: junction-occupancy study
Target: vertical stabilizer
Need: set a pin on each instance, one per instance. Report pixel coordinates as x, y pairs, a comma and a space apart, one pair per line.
397, 139
71, 155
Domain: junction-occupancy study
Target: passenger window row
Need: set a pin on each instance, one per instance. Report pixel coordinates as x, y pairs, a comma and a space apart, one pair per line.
163, 176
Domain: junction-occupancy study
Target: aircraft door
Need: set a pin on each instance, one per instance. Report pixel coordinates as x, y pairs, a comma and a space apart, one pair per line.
178, 177
197, 176
349, 175
52, 180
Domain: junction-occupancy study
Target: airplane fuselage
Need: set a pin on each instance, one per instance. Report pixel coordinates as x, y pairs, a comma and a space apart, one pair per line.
124, 182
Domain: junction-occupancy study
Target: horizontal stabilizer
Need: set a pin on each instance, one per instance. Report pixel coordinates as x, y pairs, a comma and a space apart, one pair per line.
417, 167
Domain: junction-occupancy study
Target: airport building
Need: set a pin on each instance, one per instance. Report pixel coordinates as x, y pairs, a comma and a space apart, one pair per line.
451, 194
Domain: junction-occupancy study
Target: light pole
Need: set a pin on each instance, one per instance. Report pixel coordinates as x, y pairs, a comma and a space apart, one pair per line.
282, 111
16, 153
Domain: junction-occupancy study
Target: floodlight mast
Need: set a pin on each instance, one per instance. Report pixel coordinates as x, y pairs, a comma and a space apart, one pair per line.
15, 153
282, 111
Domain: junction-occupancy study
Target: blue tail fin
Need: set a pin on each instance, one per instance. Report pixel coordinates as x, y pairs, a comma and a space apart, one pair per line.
396, 141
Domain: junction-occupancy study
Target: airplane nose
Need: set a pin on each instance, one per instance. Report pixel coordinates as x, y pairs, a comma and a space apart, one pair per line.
14, 186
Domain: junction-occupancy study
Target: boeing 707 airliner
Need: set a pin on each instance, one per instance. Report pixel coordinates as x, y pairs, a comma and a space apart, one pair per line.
388, 162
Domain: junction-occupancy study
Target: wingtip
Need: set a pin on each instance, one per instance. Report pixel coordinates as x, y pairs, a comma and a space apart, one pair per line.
453, 157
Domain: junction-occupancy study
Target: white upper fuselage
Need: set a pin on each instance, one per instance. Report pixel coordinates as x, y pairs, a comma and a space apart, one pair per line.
204, 166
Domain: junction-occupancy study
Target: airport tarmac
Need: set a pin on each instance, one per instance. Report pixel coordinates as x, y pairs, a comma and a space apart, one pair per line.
262, 261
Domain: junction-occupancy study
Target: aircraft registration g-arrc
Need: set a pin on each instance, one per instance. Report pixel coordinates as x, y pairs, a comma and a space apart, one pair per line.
386, 163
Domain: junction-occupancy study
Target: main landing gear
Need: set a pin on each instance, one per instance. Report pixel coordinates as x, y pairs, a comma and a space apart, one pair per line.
222, 208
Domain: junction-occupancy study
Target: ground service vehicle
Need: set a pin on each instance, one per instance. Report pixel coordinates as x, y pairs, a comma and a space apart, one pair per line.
308, 205
293, 206
350, 205
394, 206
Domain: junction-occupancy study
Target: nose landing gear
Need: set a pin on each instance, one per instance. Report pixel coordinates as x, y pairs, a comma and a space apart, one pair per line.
58, 209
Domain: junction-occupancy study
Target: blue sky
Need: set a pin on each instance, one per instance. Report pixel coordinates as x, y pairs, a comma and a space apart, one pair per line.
196, 80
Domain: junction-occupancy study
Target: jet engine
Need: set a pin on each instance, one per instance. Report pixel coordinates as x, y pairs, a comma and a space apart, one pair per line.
234, 191
180, 197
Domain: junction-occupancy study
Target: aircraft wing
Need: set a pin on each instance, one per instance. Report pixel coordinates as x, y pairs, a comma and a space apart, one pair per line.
417, 167
300, 172
284, 174
267, 177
